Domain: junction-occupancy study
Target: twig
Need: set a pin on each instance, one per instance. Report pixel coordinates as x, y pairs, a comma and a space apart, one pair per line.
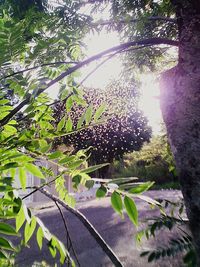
105, 247
123, 21
69, 241
150, 41
36, 67
36, 188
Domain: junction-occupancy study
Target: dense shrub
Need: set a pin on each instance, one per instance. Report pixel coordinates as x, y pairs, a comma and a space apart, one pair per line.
153, 162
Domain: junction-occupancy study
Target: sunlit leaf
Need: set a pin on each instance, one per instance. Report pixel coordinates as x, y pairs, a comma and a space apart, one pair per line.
29, 229
39, 237
99, 112
20, 219
22, 177
140, 188
101, 191
68, 125
88, 114
131, 209
61, 124
116, 201
34, 170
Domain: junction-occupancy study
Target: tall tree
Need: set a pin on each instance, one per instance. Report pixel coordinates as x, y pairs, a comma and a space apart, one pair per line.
125, 128
180, 96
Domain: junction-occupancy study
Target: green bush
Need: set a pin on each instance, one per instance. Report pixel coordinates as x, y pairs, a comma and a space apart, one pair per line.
153, 162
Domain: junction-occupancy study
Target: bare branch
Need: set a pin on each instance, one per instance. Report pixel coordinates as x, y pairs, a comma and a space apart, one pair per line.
151, 41
105, 247
69, 241
123, 21
36, 67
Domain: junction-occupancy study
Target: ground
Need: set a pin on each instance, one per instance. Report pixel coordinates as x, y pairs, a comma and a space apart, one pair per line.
118, 233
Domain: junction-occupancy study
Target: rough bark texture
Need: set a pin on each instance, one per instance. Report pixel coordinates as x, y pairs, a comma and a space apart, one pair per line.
180, 104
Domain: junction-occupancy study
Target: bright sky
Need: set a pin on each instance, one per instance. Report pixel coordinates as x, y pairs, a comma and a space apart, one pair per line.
96, 43
149, 101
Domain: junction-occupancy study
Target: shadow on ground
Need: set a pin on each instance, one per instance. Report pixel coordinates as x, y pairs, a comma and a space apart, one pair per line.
118, 233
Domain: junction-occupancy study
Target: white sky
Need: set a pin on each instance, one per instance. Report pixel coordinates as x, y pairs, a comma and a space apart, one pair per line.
149, 101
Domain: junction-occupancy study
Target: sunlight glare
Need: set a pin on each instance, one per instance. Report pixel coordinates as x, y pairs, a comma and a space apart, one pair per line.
149, 101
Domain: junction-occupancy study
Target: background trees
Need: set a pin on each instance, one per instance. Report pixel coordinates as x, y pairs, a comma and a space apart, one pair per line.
125, 128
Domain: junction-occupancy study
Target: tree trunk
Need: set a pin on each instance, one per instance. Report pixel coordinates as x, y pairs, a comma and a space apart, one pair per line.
180, 105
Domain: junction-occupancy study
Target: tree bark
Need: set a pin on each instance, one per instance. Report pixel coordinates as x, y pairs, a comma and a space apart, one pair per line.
180, 105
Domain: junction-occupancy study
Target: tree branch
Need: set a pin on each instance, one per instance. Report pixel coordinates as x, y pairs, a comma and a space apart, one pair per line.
123, 21
36, 67
89, 227
151, 41
69, 241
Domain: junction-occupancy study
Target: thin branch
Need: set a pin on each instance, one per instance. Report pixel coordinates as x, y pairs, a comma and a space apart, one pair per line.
85, 78
151, 41
36, 67
36, 188
68, 235
95, 69
123, 21
105, 247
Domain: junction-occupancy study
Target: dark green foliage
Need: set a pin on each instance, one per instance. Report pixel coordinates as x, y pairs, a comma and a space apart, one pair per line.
125, 128
153, 162
181, 243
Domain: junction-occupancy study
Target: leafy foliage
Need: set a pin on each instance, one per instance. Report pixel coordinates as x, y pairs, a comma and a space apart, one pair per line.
180, 243
153, 162
37, 45
124, 130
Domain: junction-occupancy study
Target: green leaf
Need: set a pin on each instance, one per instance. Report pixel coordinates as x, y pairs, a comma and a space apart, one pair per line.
4, 101
88, 114
34, 170
94, 168
62, 250
44, 146
148, 200
99, 112
151, 257
75, 164
141, 188
101, 191
69, 103
68, 125
89, 184
80, 121
5, 244
52, 246
116, 201
10, 129
145, 253
20, 218
29, 229
67, 159
4, 255
22, 177
61, 124
7, 229
39, 237
55, 155
131, 209
47, 235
